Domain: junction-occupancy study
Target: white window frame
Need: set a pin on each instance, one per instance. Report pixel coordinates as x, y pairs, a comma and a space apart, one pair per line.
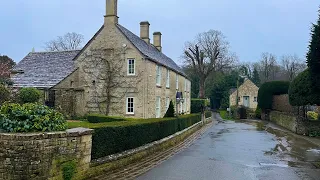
167, 103
185, 85
168, 79
127, 105
134, 67
158, 107
158, 75
177, 81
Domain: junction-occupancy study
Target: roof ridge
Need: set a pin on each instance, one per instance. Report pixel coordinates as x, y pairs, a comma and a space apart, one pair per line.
55, 51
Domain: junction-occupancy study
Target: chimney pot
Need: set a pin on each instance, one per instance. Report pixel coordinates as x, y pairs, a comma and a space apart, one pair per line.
144, 31
157, 40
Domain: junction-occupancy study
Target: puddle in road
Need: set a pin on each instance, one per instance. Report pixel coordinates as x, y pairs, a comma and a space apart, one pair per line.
296, 151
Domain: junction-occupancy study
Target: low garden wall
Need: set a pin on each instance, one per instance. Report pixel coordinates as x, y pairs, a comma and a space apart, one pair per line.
55, 155
284, 119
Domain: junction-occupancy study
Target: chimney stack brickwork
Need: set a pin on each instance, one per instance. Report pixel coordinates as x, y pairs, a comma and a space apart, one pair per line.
111, 12
144, 31
157, 40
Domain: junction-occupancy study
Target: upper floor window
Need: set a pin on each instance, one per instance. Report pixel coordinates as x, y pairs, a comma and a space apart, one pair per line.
168, 79
158, 75
185, 85
131, 67
177, 81
130, 105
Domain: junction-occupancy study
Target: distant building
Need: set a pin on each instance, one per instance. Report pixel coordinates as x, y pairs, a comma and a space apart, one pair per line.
76, 83
247, 95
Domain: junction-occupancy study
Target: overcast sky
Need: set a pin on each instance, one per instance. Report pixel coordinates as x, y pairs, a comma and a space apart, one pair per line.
251, 26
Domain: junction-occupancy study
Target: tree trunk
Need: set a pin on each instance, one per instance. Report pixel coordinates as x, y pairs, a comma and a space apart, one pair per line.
202, 89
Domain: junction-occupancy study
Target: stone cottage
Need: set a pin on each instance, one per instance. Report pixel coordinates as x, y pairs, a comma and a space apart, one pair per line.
116, 73
247, 95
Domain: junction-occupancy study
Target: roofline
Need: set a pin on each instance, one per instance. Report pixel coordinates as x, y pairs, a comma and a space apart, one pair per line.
88, 43
54, 51
146, 57
64, 78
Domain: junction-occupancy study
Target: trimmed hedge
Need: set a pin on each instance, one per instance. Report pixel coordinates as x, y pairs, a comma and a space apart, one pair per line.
29, 95
98, 118
116, 137
302, 92
196, 105
268, 90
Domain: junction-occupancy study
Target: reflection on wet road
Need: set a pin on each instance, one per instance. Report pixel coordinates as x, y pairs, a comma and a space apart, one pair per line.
237, 150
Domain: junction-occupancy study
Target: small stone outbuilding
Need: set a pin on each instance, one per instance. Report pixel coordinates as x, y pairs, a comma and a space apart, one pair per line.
247, 95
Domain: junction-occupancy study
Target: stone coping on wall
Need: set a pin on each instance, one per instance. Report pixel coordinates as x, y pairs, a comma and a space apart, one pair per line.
131, 152
75, 132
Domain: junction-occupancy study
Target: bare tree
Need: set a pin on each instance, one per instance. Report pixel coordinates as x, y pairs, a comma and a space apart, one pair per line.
268, 67
292, 66
107, 68
207, 54
70, 41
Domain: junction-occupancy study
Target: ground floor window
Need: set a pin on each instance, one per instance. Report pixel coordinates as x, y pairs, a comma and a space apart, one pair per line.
130, 105
158, 107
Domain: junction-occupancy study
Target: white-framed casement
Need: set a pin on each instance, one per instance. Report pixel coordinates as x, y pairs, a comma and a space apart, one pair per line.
131, 70
158, 107
130, 105
158, 76
167, 103
177, 81
168, 79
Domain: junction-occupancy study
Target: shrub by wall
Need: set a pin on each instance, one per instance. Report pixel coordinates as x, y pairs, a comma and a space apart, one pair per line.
208, 114
301, 91
268, 89
30, 118
133, 134
98, 118
4, 94
196, 105
29, 95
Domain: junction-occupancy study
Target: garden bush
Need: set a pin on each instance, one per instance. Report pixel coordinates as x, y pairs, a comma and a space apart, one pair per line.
242, 112
170, 111
301, 91
30, 118
4, 94
208, 114
258, 112
196, 105
268, 90
116, 137
312, 115
29, 95
98, 118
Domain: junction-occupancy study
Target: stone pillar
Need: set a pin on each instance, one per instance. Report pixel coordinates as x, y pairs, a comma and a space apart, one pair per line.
144, 31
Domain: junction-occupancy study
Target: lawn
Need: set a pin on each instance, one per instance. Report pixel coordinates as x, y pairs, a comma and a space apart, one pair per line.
225, 115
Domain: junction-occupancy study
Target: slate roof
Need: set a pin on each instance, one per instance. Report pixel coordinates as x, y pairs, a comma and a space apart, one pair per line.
151, 52
44, 69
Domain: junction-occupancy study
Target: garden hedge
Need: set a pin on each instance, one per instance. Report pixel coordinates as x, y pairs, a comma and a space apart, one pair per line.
196, 105
29, 95
268, 90
97, 118
116, 137
302, 92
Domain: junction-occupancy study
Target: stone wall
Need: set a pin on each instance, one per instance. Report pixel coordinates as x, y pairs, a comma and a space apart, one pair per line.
284, 119
281, 103
43, 155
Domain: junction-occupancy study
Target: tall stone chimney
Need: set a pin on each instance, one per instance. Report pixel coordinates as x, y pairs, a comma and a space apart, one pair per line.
144, 31
111, 16
157, 40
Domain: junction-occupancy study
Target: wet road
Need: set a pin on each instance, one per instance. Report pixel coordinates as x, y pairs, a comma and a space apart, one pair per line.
238, 151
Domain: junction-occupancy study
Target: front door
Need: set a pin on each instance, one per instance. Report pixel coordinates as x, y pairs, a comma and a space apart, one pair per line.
246, 101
